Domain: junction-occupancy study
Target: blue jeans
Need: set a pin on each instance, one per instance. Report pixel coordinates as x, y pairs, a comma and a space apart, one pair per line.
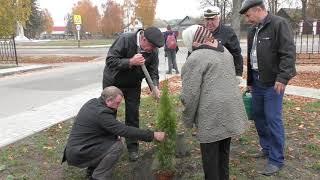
267, 115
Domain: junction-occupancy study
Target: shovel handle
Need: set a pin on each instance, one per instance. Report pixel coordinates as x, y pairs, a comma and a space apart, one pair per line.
149, 80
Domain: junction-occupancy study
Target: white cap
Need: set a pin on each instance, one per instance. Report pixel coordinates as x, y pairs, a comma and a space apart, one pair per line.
211, 11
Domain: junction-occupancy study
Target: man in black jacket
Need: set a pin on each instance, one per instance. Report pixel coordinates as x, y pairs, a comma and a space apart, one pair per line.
271, 64
123, 70
225, 35
94, 141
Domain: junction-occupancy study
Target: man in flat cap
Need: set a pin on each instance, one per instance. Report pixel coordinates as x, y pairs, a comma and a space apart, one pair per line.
225, 35
271, 64
123, 70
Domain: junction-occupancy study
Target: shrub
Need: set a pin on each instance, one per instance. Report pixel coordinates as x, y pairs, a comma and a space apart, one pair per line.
166, 121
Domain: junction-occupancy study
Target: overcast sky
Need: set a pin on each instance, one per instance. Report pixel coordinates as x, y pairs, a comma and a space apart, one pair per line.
166, 9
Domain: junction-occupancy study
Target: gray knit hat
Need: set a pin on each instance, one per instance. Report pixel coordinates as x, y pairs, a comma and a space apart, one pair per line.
247, 4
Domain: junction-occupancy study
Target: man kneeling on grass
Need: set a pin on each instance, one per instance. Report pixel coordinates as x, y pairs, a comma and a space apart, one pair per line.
94, 142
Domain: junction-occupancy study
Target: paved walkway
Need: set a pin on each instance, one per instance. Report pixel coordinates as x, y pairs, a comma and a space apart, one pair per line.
18, 126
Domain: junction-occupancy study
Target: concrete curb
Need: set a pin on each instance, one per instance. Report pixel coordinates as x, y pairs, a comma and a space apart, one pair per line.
11, 71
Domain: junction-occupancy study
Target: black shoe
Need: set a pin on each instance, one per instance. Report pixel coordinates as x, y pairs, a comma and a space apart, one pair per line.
270, 169
168, 72
89, 172
133, 156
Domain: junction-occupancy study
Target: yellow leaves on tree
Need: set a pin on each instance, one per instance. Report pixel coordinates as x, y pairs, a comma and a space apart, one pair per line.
11, 12
89, 15
112, 20
145, 11
47, 21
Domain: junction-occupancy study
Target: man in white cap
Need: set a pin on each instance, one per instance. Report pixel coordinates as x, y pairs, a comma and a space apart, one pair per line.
225, 35
271, 64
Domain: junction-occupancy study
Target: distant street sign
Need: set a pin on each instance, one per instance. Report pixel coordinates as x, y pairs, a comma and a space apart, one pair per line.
77, 19
78, 27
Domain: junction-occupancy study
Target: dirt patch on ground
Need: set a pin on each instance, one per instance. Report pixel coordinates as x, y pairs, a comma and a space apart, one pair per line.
54, 59
306, 79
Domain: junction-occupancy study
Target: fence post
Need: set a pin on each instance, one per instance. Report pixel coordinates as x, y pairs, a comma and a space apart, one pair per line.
15, 50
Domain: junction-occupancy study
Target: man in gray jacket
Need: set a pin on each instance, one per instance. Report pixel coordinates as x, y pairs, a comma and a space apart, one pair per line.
94, 141
271, 64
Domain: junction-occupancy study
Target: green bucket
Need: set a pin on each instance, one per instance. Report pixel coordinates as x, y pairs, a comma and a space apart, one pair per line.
247, 101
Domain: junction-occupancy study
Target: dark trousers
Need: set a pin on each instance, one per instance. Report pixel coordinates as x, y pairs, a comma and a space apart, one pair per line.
104, 164
267, 115
103, 170
215, 159
132, 103
172, 61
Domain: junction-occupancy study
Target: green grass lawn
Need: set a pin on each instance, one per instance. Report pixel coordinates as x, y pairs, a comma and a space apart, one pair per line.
38, 157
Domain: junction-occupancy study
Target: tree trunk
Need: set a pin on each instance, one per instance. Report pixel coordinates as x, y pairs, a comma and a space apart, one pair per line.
235, 22
304, 8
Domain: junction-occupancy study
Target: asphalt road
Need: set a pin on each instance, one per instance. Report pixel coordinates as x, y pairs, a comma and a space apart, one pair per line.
23, 92
27, 91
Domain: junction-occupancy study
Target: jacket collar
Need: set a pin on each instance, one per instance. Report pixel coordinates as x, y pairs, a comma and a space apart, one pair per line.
109, 110
138, 35
219, 48
217, 30
265, 21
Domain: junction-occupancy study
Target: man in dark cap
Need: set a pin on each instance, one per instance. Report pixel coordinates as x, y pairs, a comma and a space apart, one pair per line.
271, 64
225, 35
123, 70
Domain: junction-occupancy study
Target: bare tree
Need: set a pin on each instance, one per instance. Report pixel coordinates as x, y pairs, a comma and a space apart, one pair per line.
304, 9
314, 9
235, 20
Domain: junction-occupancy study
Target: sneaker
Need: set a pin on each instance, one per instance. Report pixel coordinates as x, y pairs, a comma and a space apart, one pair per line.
270, 169
133, 156
168, 72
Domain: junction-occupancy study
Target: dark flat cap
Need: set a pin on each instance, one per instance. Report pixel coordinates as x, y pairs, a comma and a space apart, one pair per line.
247, 4
154, 36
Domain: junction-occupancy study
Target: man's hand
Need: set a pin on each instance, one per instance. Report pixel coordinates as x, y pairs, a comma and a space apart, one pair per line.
159, 136
137, 60
249, 88
156, 92
279, 87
